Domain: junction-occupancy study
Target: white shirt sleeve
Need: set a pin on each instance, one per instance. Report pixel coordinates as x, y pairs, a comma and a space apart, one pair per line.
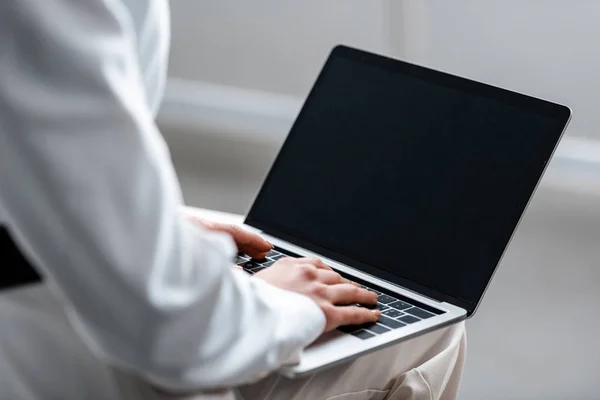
89, 191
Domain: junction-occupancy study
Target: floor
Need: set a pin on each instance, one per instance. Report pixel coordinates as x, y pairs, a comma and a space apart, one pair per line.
535, 334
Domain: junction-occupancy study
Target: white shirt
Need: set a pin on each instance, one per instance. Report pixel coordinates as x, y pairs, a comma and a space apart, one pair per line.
88, 189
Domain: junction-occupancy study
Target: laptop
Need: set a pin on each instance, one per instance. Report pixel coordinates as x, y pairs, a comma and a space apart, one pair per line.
408, 181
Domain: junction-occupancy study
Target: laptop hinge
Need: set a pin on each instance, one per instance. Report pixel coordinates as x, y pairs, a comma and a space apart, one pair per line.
398, 286
351, 270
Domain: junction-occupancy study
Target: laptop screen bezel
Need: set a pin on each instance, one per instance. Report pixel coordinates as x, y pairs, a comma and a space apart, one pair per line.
561, 114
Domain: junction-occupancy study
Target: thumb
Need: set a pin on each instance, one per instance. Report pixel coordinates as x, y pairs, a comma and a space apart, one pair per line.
247, 242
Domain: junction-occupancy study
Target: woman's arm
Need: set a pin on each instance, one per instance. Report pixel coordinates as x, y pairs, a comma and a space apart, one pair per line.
91, 196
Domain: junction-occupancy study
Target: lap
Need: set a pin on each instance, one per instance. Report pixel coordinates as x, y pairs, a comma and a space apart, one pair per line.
41, 357
424, 367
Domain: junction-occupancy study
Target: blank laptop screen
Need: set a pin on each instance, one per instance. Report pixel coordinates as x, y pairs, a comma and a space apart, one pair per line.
411, 173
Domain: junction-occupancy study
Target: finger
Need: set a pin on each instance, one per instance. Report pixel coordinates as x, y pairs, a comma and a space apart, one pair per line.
351, 283
329, 277
349, 294
353, 315
247, 242
317, 262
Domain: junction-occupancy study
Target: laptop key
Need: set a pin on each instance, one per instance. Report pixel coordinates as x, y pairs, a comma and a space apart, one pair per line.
278, 256
363, 334
392, 313
255, 270
409, 319
400, 305
373, 327
378, 306
385, 299
390, 323
354, 328
268, 263
350, 328
250, 265
417, 312
378, 328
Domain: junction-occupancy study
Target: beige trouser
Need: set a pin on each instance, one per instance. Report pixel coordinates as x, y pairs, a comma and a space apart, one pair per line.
41, 357
427, 367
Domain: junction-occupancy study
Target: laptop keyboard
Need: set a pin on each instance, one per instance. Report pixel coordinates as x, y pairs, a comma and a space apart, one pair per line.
253, 266
395, 313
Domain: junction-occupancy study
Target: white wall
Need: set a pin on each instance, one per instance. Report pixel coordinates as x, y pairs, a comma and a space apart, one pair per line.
270, 45
547, 48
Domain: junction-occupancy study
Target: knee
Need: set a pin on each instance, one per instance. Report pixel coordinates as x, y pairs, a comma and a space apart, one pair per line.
458, 335
443, 370
452, 342
458, 330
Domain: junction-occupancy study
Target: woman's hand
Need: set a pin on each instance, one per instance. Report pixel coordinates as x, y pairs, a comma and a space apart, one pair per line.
334, 295
246, 242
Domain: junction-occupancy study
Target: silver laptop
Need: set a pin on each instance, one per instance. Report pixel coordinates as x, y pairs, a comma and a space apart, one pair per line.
408, 181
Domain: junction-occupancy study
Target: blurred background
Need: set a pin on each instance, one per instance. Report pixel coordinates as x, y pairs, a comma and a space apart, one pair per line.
240, 71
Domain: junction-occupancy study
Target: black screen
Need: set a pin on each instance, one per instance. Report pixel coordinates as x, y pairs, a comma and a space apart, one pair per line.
423, 180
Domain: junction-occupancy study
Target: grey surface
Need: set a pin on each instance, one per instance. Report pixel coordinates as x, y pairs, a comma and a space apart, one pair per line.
534, 336
545, 48
271, 45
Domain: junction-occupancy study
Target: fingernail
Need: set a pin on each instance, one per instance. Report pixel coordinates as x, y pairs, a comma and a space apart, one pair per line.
376, 312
